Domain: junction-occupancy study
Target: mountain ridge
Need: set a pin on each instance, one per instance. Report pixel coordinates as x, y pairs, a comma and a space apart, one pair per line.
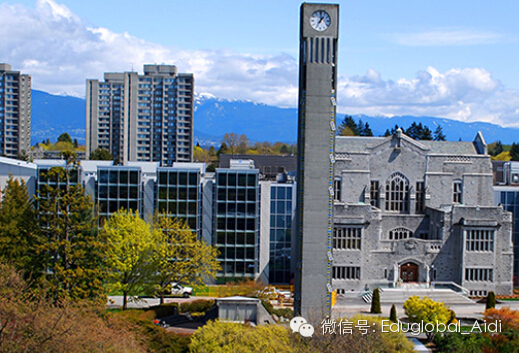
214, 117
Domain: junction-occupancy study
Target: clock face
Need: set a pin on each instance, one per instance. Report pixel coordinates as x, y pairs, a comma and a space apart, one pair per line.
320, 20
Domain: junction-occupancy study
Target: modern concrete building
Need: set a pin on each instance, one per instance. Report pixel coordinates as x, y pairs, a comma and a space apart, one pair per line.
144, 118
316, 138
15, 112
420, 212
236, 216
506, 194
230, 209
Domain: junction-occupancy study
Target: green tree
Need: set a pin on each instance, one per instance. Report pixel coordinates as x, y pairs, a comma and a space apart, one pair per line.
101, 154
366, 130
65, 137
17, 224
179, 256
70, 250
228, 337
129, 254
222, 150
426, 310
438, 134
348, 127
392, 314
375, 302
491, 300
514, 152
419, 132
231, 141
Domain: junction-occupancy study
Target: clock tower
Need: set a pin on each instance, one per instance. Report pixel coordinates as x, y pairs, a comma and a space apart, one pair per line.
316, 142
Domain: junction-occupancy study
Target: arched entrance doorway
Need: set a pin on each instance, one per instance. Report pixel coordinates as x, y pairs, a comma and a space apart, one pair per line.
409, 272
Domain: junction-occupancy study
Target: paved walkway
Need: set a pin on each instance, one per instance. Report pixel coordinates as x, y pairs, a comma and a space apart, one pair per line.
350, 307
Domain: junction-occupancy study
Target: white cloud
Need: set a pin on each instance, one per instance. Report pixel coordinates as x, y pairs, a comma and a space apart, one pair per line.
445, 37
469, 94
60, 52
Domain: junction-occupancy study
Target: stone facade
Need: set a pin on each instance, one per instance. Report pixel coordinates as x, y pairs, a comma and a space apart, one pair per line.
418, 211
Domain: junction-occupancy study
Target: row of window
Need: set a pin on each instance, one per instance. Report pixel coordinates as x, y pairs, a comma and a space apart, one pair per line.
345, 272
397, 193
479, 240
479, 274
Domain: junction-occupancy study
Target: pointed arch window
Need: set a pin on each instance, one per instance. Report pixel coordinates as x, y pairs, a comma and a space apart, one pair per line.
400, 233
397, 193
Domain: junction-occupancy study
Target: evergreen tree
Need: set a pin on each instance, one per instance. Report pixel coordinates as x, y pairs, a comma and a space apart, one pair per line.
438, 134
366, 130
426, 134
348, 127
498, 148
65, 137
69, 251
101, 154
76, 143
375, 302
391, 132
491, 300
17, 225
392, 314
222, 150
514, 152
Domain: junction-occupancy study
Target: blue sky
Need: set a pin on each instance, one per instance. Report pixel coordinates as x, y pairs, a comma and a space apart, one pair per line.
453, 59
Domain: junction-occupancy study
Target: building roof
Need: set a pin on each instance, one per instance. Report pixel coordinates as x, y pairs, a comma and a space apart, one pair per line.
361, 143
17, 162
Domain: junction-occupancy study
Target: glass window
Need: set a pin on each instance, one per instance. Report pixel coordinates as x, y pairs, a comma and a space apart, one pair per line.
103, 176
280, 192
134, 177
172, 192
251, 180
134, 192
241, 180
163, 177
457, 190
222, 179
182, 178
103, 191
231, 179
113, 192
123, 176
172, 178
193, 178
397, 193
112, 176
192, 193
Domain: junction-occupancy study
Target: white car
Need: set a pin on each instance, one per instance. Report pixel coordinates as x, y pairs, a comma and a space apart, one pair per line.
177, 289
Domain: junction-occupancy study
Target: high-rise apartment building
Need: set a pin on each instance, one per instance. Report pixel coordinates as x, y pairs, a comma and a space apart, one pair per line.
144, 118
15, 112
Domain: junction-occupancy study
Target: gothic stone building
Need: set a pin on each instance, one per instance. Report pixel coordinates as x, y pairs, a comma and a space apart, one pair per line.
418, 211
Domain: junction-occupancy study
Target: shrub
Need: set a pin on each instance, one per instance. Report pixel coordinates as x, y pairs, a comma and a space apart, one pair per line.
285, 312
375, 302
197, 306
392, 314
491, 300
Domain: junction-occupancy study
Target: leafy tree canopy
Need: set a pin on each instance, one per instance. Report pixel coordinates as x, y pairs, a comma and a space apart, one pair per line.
129, 254
65, 137
426, 310
101, 154
179, 256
